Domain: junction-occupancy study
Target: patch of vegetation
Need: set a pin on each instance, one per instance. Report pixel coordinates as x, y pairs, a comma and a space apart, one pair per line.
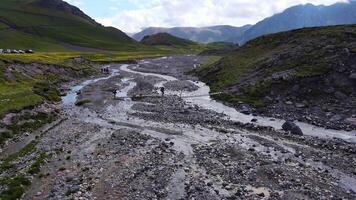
15, 187
47, 90
28, 123
313, 70
82, 102
4, 136
208, 63
36, 166
2, 72
25, 123
255, 101
17, 96
6, 163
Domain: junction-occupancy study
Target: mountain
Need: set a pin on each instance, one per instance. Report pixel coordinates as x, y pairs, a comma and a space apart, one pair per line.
304, 16
165, 39
297, 74
54, 25
203, 35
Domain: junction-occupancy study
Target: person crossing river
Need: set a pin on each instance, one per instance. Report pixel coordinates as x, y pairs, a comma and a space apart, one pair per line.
162, 91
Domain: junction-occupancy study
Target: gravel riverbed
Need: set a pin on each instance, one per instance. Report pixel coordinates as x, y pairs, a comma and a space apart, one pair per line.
142, 145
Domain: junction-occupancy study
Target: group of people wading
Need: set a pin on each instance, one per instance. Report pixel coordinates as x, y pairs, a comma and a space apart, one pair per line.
107, 71
104, 70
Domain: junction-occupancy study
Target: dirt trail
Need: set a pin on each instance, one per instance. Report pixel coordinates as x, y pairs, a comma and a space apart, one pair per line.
154, 147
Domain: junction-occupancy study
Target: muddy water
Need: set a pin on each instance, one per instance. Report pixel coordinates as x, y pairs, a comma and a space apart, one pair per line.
71, 97
202, 98
123, 94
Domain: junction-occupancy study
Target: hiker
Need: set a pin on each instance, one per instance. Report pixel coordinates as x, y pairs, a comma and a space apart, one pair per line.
114, 92
162, 91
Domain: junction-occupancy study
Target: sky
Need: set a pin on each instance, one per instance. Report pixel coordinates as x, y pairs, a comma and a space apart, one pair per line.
132, 16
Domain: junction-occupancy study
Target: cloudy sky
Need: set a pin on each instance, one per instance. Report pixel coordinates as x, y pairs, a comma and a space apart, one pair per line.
133, 15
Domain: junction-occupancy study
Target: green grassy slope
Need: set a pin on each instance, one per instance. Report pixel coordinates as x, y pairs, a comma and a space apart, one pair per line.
50, 23
166, 39
12, 39
248, 73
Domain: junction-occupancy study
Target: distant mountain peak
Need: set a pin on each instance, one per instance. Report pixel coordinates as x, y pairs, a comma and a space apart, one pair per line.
306, 15
218, 33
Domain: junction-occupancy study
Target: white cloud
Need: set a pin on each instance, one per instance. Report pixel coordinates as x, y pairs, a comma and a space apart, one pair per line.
76, 2
169, 13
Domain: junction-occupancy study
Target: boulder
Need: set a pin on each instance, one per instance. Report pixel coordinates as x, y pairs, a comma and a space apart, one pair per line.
268, 99
292, 127
351, 120
296, 88
352, 76
245, 109
296, 130
300, 105
346, 52
336, 118
289, 103
340, 95
329, 90
288, 125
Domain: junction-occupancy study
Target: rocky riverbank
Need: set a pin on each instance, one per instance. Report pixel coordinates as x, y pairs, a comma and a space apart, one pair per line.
140, 145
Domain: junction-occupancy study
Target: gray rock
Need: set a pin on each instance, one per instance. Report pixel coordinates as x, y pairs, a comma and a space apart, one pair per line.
352, 76
346, 52
300, 105
330, 90
292, 127
288, 125
289, 103
296, 88
351, 120
336, 118
245, 109
340, 95
296, 130
268, 99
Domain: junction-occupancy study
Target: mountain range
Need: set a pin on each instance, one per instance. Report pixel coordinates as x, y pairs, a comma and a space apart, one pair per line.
295, 17
303, 16
223, 33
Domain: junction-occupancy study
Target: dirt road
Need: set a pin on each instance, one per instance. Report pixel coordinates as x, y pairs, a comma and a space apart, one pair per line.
183, 145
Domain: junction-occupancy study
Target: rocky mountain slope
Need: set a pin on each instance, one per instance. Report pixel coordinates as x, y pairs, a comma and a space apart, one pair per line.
302, 16
307, 74
202, 35
55, 25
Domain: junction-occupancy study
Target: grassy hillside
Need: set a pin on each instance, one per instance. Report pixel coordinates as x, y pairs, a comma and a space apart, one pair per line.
47, 25
272, 65
166, 39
